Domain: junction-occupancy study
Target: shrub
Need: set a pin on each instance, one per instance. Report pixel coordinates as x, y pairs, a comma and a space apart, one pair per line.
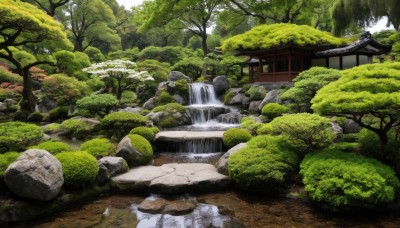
143, 146
228, 97
168, 121
144, 112
6, 160
256, 93
128, 97
155, 130
157, 69
347, 180
57, 114
53, 147
251, 124
120, 123
75, 128
272, 110
181, 87
307, 131
234, 136
266, 164
98, 147
345, 146
53, 127
170, 108
265, 129
35, 117
18, 135
145, 132
164, 98
100, 104
78, 167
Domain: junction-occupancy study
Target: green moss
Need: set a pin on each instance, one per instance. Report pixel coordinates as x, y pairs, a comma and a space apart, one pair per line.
277, 35
142, 145
265, 129
170, 108
120, 123
228, 97
181, 87
53, 147
75, 128
57, 113
345, 146
78, 167
164, 98
52, 127
234, 136
272, 110
145, 132
35, 117
144, 112
256, 93
98, 147
155, 130
17, 136
6, 160
348, 180
167, 122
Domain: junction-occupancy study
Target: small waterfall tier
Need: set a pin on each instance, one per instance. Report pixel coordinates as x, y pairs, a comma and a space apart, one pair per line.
203, 114
229, 118
203, 94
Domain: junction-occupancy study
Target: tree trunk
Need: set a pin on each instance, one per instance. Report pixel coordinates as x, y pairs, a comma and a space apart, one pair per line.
204, 42
119, 92
28, 101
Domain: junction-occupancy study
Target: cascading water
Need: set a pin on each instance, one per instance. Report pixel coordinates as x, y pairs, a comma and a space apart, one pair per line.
203, 94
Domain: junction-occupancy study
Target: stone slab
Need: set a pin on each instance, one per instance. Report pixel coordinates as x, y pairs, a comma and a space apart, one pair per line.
181, 136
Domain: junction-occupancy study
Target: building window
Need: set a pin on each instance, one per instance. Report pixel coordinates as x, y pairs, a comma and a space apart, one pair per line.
349, 61
282, 65
296, 63
334, 62
318, 62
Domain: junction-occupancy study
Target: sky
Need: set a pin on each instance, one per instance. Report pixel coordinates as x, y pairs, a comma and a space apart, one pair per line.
129, 3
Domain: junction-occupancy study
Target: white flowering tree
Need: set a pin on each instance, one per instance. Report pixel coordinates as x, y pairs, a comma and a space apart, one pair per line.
121, 72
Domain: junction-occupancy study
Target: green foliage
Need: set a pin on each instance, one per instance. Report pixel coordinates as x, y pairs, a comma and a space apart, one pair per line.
345, 146
164, 98
348, 180
51, 128
190, 66
8, 76
17, 136
159, 70
120, 123
53, 147
98, 147
142, 145
100, 104
250, 124
181, 87
95, 83
228, 97
94, 54
170, 108
168, 121
35, 117
57, 113
306, 85
272, 110
167, 54
128, 97
145, 132
265, 129
144, 112
128, 54
277, 35
266, 164
6, 160
234, 136
256, 93
155, 130
79, 168
75, 128
147, 90
307, 131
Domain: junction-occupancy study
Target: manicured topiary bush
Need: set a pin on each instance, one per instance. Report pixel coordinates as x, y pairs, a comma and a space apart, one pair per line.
6, 160
144, 146
267, 164
164, 98
53, 127
53, 147
128, 97
78, 167
234, 136
100, 104
17, 136
145, 132
256, 93
250, 124
265, 129
75, 128
272, 110
98, 147
346, 180
120, 123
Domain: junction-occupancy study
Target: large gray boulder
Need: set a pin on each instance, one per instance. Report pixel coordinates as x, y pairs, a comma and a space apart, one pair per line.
150, 103
131, 110
169, 119
222, 164
36, 174
115, 165
176, 75
128, 152
238, 99
253, 107
46, 105
351, 127
221, 85
272, 96
337, 129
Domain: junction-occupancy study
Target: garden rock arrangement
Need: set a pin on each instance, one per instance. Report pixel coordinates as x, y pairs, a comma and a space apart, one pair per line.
222, 164
155, 205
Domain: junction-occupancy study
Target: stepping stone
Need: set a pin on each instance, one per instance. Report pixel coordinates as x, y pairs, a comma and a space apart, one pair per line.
172, 179
181, 136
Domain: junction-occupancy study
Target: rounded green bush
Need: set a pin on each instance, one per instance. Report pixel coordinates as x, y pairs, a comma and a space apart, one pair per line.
75, 127
266, 164
57, 113
50, 128
120, 123
272, 110
170, 108
146, 132
265, 129
53, 147
250, 124
128, 97
155, 130
234, 136
256, 93
98, 147
142, 145
78, 167
6, 160
17, 136
346, 180
100, 104
35, 117
164, 98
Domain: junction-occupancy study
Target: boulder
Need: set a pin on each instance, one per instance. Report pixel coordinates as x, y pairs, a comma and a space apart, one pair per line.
46, 105
351, 127
131, 110
272, 96
238, 99
176, 75
115, 165
150, 103
36, 174
128, 152
246, 102
222, 164
221, 85
253, 107
156, 205
337, 129
179, 99
103, 176
178, 118
3, 107
93, 123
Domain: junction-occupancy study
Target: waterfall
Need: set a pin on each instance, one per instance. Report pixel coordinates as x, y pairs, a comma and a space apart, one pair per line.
229, 118
201, 146
203, 94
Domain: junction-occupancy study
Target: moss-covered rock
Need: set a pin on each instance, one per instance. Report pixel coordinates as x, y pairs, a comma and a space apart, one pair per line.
6, 159
145, 132
53, 147
135, 149
120, 123
98, 147
75, 128
16, 136
169, 115
272, 110
234, 136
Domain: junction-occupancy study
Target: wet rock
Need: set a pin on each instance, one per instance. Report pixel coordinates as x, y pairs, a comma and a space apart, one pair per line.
230, 118
128, 152
115, 165
103, 176
221, 85
176, 75
222, 164
150, 104
154, 205
238, 99
179, 99
272, 96
164, 117
46, 137
35, 175
246, 102
182, 136
253, 107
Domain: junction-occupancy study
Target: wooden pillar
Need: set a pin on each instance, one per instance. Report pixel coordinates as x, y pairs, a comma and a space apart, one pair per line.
259, 69
290, 65
357, 60
327, 62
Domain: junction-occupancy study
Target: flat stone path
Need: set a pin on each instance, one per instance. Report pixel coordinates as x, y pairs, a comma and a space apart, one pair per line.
172, 178
180, 136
